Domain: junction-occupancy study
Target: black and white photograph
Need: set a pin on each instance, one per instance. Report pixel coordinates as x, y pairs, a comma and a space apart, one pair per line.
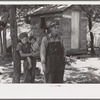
49, 44
54, 43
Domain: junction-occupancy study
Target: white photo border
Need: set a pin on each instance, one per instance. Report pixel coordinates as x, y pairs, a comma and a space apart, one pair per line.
49, 91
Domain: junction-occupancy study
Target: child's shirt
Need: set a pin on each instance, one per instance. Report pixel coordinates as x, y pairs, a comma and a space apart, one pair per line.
35, 47
25, 48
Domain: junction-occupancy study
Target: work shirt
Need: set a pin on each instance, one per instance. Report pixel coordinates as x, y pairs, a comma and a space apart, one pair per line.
25, 48
45, 40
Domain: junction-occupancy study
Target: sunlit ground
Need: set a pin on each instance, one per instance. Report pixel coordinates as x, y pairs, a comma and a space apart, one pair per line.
84, 70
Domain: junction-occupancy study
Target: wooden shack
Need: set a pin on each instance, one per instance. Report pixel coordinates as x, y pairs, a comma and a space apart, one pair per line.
73, 25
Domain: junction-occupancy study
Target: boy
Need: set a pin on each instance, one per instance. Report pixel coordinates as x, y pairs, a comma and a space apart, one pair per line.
23, 48
34, 48
52, 55
35, 45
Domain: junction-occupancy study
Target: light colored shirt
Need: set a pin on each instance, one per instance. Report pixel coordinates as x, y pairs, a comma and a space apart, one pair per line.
35, 47
44, 43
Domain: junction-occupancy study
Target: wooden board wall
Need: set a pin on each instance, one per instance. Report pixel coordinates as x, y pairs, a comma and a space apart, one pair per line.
83, 28
67, 30
65, 27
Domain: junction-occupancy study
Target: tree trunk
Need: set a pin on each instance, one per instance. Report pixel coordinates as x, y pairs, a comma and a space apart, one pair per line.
4, 44
16, 57
91, 36
92, 43
1, 44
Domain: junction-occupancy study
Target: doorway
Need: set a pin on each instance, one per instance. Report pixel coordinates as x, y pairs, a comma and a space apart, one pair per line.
75, 25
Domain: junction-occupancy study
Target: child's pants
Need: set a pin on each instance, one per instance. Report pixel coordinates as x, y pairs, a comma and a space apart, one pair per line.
29, 74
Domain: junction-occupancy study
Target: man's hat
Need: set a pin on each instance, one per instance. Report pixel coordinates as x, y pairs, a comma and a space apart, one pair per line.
54, 23
22, 35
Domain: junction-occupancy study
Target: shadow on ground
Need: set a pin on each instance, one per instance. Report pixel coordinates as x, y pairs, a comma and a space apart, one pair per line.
72, 75
86, 75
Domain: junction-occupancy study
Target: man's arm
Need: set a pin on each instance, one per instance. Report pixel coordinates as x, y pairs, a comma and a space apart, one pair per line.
43, 50
65, 51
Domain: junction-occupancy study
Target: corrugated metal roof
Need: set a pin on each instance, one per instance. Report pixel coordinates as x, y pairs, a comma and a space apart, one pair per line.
52, 9
49, 9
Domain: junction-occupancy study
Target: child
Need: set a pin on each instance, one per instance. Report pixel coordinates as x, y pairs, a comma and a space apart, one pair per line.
35, 48
35, 45
23, 48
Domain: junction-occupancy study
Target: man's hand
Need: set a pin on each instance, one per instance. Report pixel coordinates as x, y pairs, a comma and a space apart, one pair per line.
44, 67
67, 59
30, 66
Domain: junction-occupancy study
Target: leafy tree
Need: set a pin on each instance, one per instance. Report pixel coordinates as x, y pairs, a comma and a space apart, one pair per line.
94, 10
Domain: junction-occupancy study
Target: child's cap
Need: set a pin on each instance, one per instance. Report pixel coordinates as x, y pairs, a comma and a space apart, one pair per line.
22, 35
32, 37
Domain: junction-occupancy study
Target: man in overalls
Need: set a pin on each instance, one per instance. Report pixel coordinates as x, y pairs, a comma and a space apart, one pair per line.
52, 55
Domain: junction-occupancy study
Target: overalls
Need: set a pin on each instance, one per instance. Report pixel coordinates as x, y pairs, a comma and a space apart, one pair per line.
55, 62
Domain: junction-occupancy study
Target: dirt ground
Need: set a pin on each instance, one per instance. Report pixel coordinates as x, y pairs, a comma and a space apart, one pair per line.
84, 69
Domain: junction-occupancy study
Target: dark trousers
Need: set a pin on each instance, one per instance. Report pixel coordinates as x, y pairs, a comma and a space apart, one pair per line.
29, 74
55, 77
54, 70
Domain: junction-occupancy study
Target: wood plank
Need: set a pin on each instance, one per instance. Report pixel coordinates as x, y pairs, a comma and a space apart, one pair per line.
67, 42
66, 37
75, 30
83, 44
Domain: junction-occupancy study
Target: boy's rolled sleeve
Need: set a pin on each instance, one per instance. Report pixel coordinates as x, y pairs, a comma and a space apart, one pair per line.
19, 48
